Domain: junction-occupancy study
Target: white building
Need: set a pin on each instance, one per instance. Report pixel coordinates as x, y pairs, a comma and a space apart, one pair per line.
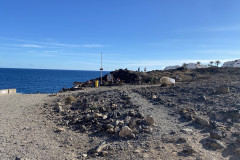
191, 66
194, 66
171, 67
232, 64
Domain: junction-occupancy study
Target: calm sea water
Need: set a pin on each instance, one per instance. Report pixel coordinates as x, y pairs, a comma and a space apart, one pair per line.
43, 80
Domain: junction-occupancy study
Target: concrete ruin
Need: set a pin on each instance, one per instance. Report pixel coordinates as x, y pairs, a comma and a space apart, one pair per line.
8, 91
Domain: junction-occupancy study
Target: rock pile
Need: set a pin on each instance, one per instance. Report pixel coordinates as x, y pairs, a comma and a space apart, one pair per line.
107, 113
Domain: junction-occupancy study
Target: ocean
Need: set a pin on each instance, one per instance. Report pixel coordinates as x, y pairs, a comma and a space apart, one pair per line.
43, 80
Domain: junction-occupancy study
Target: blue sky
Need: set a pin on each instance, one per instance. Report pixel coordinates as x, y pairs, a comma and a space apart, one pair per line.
70, 34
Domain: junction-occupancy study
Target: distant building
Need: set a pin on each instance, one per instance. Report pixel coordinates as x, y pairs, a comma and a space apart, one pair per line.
171, 67
232, 64
188, 66
194, 66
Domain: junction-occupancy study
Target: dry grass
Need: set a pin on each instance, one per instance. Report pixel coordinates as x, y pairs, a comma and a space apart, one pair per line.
70, 99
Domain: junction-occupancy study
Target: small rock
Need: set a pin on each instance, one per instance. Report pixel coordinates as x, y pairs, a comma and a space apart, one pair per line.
216, 134
126, 131
134, 123
170, 139
59, 107
104, 117
140, 115
237, 151
114, 105
148, 130
181, 140
132, 113
84, 155
202, 98
58, 130
150, 120
21, 158
187, 131
108, 126
137, 151
83, 128
215, 144
201, 121
222, 89
187, 150
111, 130
103, 153
127, 120
98, 115
116, 129
154, 96
99, 148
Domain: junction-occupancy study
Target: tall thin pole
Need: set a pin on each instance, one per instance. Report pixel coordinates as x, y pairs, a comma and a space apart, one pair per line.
101, 68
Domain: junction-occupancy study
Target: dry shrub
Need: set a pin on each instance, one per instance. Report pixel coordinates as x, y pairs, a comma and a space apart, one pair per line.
70, 99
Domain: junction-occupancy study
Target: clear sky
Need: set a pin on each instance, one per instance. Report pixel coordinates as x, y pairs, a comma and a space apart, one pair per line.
70, 34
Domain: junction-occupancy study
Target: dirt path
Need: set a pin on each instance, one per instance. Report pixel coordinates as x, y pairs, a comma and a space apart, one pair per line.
24, 133
163, 120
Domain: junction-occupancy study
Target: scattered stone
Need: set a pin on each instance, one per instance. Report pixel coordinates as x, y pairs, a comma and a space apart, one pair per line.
202, 98
140, 115
99, 148
59, 107
133, 123
126, 131
187, 151
215, 144
181, 140
148, 130
127, 120
216, 134
150, 120
109, 126
222, 89
237, 151
103, 153
58, 130
104, 117
154, 96
98, 115
170, 139
201, 121
84, 155
21, 158
187, 131
136, 151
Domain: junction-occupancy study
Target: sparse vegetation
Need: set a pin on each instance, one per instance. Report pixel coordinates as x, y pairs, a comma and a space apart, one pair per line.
217, 62
70, 99
184, 65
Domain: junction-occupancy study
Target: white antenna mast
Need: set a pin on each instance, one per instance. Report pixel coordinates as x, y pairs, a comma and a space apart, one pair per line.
101, 69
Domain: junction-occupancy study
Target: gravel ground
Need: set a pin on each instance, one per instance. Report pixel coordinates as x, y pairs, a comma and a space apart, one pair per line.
24, 132
31, 128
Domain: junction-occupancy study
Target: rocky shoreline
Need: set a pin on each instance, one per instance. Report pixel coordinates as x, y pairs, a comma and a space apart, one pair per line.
198, 118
